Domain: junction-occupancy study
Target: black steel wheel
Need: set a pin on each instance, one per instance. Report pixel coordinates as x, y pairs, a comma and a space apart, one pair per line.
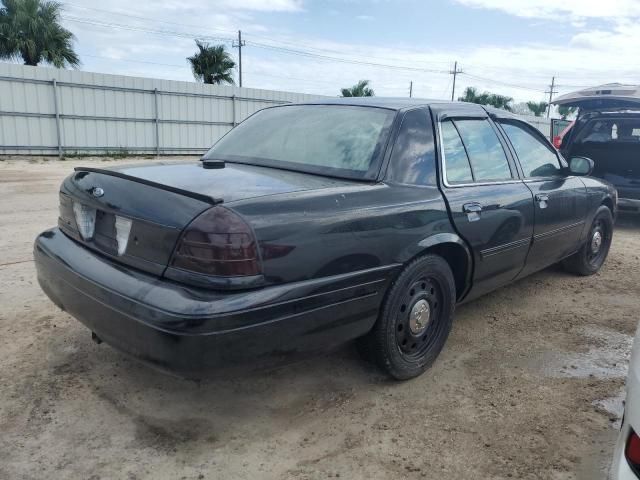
415, 319
593, 253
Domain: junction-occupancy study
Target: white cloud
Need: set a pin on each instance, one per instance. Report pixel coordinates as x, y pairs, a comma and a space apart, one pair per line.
263, 5
561, 9
366, 18
590, 57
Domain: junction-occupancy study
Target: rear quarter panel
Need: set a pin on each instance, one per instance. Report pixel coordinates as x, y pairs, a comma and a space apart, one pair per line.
599, 192
315, 234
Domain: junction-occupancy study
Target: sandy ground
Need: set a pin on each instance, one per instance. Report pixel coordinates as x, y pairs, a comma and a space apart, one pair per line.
529, 385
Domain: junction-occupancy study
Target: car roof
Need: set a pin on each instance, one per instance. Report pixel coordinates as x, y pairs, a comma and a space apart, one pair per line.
383, 102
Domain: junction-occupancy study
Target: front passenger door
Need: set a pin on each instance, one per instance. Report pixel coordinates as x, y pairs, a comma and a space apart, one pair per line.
560, 200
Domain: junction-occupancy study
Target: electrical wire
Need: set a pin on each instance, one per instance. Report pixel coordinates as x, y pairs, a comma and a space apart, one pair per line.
272, 45
500, 82
130, 60
274, 42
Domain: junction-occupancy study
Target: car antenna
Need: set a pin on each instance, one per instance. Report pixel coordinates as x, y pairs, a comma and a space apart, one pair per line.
212, 163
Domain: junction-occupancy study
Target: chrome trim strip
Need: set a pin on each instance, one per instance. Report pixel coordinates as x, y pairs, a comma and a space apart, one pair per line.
551, 233
489, 252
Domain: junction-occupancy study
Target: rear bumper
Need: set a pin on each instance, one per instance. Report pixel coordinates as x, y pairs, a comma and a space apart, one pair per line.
628, 205
186, 329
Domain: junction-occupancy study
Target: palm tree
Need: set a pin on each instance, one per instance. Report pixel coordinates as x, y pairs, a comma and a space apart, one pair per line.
360, 89
537, 108
471, 95
212, 64
499, 101
31, 30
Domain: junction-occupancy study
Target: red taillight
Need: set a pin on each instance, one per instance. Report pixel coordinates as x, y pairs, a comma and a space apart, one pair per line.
557, 141
632, 451
219, 243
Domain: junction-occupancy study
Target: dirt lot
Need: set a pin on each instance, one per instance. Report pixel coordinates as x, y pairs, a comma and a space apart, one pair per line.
529, 385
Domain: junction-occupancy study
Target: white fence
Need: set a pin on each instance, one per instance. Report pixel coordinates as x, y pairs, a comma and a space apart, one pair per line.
541, 123
46, 111
51, 111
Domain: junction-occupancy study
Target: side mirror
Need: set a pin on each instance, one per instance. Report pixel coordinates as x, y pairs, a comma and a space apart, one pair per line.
581, 166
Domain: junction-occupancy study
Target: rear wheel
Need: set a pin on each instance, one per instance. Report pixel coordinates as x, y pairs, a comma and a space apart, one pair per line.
593, 253
415, 319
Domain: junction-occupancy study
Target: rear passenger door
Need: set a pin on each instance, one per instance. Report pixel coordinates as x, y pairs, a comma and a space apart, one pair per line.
490, 206
560, 199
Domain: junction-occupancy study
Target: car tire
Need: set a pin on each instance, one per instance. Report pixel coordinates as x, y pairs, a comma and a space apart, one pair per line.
593, 253
415, 319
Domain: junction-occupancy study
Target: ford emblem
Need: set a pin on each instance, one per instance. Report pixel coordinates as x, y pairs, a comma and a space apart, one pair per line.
97, 192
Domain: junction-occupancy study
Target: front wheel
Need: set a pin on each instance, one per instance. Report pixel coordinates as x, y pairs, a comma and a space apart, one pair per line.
591, 256
415, 319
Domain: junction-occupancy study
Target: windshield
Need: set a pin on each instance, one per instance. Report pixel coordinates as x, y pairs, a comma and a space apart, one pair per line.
336, 140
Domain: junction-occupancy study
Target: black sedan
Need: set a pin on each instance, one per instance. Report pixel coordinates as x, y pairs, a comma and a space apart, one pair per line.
310, 225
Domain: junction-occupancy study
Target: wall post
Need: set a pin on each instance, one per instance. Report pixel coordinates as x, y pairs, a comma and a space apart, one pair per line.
54, 83
157, 121
233, 106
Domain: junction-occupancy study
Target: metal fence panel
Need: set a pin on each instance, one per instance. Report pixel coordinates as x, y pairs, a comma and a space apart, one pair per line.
51, 111
99, 112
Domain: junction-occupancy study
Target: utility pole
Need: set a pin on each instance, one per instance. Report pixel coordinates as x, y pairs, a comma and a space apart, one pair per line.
455, 73
239, 46
411, 89
551, 92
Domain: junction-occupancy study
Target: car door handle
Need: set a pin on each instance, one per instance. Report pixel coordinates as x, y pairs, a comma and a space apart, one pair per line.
542, 199
472, 210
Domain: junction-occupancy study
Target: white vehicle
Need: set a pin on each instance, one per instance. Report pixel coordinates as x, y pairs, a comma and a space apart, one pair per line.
626, 459
607, 130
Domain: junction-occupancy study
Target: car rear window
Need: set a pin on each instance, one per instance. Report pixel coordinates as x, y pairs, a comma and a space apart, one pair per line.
337, 140
617, 130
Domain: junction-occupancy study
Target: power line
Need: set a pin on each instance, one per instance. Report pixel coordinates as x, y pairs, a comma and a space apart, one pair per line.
500, 82
139, 17
255, 44
298, 44
285, 50
342, 60
166, 33
130, 60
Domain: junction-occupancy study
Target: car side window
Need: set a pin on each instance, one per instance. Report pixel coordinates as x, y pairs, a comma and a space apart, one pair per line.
486, 154
457, 167
413, 159
537, 158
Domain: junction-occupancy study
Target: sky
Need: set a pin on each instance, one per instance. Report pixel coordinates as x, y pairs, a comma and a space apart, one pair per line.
511, 47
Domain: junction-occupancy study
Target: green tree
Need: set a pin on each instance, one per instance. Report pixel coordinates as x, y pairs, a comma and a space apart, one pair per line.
360, 89
565, 111
212, 64
499, 101
31, 30
537, 108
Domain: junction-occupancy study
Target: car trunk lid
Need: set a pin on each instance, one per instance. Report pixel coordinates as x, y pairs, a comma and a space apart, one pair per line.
137, 213
613, 95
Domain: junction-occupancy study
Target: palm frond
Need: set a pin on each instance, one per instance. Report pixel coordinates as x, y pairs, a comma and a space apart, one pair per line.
360, 89
212, 64
31, 30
